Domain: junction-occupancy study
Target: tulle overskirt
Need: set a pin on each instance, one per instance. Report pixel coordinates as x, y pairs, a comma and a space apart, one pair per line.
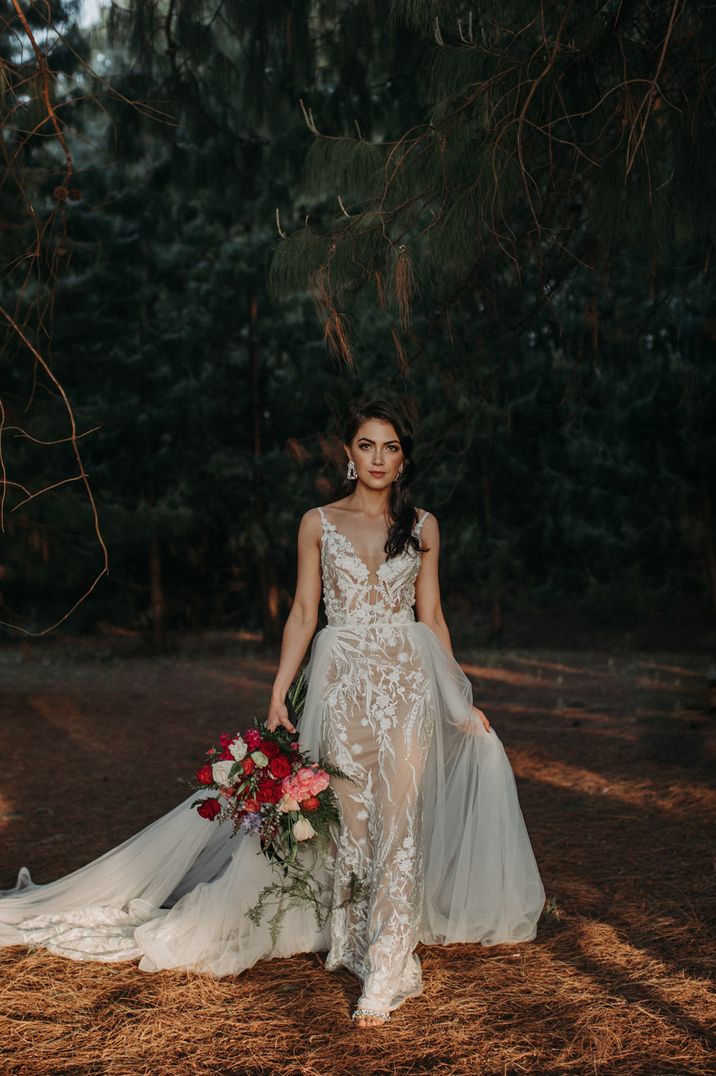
176, 894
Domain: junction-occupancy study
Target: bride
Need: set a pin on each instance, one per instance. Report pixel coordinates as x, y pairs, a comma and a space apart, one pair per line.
432, 845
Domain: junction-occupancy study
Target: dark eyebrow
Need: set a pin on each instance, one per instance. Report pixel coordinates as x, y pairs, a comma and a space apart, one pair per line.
394, 441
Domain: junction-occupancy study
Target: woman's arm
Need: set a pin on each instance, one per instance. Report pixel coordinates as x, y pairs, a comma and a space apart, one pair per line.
302, 619
428, 606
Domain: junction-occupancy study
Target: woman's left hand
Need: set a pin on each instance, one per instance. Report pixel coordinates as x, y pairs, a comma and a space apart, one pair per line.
482, 717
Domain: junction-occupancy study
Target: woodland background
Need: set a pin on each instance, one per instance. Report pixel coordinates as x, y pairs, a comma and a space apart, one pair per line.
503, 216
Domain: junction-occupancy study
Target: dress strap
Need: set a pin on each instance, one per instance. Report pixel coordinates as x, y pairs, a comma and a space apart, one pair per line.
419, 524
322, 514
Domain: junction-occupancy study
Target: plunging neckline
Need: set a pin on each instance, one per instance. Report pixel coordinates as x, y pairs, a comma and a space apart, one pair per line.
349, 542
356, 554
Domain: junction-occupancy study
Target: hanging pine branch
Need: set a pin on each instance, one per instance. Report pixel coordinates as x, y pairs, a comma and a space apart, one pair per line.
555, 138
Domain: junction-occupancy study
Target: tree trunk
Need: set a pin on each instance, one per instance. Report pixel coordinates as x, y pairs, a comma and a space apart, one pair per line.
269, 592
156, 595
496, 622
710, 551
157, 602
710, 557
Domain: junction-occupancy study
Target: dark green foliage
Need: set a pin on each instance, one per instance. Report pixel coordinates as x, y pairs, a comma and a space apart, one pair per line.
560, 355
551, 132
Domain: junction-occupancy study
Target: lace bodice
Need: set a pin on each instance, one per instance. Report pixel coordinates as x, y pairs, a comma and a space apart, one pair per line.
348, 595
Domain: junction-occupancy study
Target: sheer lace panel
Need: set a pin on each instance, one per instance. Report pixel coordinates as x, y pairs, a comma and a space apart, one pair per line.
349, 595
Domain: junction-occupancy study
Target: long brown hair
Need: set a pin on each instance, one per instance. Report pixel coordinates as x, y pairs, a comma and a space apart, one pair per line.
403, 513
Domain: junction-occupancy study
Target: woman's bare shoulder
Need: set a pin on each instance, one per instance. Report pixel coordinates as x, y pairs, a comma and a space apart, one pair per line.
337, 504
311, 522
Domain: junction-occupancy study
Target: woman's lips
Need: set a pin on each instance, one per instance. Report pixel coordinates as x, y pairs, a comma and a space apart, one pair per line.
377, 474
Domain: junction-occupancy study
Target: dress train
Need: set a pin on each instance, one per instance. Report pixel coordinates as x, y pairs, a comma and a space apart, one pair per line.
175, 895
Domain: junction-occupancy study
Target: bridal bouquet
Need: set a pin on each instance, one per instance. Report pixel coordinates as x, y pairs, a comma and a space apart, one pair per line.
266, 785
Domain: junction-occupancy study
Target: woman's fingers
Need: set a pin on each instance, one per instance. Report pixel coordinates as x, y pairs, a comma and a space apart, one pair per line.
483, 718
272, 723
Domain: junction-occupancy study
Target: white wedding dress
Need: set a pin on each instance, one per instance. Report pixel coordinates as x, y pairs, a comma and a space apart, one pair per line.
431, 827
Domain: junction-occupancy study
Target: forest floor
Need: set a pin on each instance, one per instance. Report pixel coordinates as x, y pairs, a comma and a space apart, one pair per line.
612, 753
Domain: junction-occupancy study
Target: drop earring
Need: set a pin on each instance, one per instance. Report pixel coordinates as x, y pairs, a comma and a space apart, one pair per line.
400, 471
351, 471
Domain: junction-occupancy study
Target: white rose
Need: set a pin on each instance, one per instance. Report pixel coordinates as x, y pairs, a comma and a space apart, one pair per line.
238, 749
220, 772
287, 803
259, 758
303, 830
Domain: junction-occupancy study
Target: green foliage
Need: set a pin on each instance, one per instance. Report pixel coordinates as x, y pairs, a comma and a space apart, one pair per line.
295, 888
352, 166
553, 133
563, 374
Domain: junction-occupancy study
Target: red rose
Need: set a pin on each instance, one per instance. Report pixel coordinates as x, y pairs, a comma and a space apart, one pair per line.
268, 791
204, 775
294, 746
225, 739
270, 749
209, 808
310, 804
248, 765
251, 805
279, 767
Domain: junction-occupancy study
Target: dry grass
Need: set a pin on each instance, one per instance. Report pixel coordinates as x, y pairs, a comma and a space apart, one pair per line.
611, 757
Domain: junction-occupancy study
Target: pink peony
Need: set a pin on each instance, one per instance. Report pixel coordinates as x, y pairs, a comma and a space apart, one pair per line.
306, 782
320, 781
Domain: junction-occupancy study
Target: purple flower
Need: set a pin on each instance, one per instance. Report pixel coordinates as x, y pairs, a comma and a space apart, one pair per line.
252, 823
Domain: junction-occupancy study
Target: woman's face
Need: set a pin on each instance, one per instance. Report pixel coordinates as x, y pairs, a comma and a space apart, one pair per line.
376, 452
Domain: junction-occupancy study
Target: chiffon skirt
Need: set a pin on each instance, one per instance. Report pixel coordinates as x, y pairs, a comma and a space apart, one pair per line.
176, 894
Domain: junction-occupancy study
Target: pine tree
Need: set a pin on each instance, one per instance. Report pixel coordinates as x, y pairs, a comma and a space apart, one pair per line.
555, 136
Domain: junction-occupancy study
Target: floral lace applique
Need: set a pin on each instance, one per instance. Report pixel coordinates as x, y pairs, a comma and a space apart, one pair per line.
349, 597
377, 728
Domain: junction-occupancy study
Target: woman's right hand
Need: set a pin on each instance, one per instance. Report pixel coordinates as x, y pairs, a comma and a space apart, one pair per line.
278, 715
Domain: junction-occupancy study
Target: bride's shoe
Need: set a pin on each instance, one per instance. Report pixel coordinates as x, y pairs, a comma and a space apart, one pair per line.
377, 1017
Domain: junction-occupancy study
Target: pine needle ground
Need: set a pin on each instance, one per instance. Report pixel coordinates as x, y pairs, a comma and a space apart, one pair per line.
612, 756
